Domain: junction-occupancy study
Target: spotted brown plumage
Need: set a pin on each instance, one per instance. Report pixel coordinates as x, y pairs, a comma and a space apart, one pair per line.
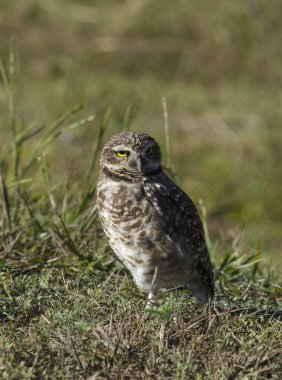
151, 224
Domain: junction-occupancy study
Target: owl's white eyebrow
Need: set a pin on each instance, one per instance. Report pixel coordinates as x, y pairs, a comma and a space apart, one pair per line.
121, 147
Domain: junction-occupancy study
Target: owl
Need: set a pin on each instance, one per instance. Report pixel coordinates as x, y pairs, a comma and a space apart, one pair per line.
151, 224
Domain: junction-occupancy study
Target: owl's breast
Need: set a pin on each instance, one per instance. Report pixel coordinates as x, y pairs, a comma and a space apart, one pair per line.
135, 230
121, 208
122, 211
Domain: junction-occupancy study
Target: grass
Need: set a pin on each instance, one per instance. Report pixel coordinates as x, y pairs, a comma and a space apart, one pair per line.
68, 308
66, 322
226, 133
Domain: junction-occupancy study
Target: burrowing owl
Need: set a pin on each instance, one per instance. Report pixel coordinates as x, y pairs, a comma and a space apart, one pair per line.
151, 224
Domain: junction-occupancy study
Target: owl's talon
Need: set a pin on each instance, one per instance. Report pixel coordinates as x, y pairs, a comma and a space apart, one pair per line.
151, 301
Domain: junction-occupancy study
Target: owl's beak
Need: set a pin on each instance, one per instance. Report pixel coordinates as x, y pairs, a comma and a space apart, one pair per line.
137, 163
140, 164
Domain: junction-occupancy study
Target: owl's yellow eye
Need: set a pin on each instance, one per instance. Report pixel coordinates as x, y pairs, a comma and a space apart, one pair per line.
122, 153
149, 151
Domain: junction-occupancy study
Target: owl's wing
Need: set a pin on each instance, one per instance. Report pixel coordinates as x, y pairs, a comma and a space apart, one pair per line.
179, 218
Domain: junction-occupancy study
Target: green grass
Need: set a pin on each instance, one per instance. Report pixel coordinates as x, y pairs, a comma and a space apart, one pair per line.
222, 86
68, 308
66, 322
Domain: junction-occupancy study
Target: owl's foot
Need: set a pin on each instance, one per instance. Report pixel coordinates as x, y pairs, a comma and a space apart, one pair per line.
151, 301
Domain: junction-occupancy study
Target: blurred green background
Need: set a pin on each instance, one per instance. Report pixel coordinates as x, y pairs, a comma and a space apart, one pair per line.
218, 63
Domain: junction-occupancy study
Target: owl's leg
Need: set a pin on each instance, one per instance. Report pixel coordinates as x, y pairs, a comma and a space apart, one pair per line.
151, 300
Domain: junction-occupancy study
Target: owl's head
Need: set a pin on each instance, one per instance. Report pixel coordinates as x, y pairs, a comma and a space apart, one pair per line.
133, 152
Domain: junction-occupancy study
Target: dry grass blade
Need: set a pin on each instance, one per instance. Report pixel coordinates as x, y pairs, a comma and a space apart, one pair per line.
4, 75
65, 237
16, 148
76, 353
31, 131
128, 117
71, 11
87, 221
166, 130
97, 146
205, 227
168, 164
6, 202
51, 134
89, 187
57, 123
